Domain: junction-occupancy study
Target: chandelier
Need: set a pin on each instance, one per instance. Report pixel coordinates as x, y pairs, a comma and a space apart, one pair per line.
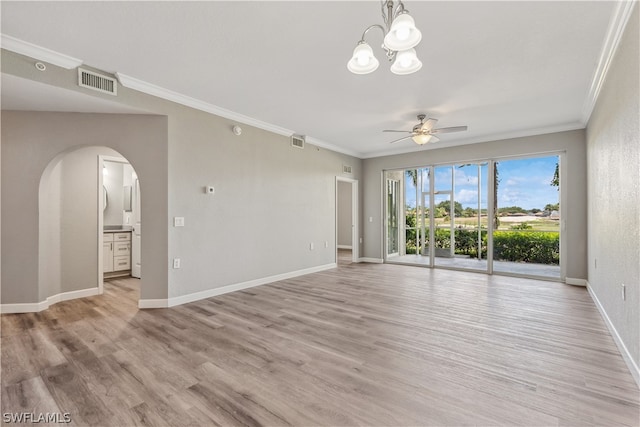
400, 38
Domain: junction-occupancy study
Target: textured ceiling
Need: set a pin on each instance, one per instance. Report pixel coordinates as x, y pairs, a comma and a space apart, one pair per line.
501, 68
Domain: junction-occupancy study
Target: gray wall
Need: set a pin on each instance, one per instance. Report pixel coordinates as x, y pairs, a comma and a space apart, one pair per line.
344, 213
79, 218
573, 177
613, 159
50, 199
271, 200
31, 141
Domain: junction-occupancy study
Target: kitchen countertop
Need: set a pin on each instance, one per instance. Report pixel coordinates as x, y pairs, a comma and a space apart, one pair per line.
117, 229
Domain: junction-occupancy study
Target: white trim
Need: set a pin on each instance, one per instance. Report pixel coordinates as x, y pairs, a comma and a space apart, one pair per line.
160, 92
153, 303
617, 24
43, 305
38, 52
355, 224
101, 160
196, 296
631, 364
565, 127
371, 260
575, 282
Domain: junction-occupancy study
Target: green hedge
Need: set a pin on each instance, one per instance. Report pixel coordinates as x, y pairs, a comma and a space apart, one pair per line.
539, 247
519, 246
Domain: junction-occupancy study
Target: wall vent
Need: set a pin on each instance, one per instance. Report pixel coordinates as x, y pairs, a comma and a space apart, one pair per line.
297, 141
95, 81
347, 169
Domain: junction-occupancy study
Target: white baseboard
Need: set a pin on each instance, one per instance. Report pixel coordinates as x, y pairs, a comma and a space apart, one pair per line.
153, 303
196, 296
575, 282
631, 364
43, 305
371, 260
345, 247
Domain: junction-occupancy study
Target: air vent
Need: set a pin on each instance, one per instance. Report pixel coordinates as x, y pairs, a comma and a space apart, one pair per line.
347, 169
297, 141
98, 82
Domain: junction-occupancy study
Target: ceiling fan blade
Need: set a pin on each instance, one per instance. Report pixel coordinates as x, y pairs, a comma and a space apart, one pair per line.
429, 124
434, 138
450, 129
401, 139
403, 131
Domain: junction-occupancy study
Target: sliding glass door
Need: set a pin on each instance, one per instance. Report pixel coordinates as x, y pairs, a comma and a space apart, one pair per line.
526, 235
439, 216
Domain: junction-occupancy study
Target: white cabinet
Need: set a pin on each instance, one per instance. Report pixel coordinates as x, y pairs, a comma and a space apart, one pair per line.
107, 256
116, 258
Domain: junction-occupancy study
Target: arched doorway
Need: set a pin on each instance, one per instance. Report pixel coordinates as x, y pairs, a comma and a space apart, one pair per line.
71, 222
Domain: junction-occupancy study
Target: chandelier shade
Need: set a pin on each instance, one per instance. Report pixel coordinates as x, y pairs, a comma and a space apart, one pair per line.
403, 34
406, 62
363, 61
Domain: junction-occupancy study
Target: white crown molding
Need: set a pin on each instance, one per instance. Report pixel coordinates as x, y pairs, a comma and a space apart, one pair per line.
37, 52
617, 24
413, 148
160, 92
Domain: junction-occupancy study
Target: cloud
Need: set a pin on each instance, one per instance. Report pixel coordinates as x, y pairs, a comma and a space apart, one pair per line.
467, 196
462, 179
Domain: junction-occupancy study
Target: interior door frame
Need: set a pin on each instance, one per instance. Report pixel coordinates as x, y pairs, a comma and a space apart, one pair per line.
355, 238
101, 160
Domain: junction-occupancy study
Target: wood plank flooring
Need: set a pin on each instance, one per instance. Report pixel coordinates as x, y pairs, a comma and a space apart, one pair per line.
362, 344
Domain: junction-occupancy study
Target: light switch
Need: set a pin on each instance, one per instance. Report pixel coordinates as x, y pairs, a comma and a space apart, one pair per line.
178, 221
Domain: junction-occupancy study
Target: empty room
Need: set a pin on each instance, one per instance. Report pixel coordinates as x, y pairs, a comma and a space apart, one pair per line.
320, 213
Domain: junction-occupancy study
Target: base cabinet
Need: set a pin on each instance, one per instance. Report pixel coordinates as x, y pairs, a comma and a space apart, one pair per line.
107, 257
116, 255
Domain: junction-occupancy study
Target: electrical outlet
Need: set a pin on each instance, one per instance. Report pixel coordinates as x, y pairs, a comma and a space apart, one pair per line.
176, 263
178, 221
624, 292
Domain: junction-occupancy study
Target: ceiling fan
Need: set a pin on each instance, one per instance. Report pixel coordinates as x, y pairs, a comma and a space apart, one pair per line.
424, 132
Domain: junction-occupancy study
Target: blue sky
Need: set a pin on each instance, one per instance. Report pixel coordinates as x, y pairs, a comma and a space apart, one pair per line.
523, 182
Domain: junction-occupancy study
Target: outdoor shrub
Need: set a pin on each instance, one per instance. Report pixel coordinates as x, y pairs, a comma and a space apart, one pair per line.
521, 246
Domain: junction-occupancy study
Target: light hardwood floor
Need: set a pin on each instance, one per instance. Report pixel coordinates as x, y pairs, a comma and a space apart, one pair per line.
362, 344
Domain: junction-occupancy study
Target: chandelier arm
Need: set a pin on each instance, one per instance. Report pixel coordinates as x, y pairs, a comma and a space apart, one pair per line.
384, 32
399, 10
385, 19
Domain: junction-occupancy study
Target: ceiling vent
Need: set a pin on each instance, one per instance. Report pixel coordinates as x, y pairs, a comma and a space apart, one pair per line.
95, 81
297, 141
347, 169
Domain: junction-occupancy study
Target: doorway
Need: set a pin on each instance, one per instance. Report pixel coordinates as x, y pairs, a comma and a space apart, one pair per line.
119, 219
70, 205
347, 238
